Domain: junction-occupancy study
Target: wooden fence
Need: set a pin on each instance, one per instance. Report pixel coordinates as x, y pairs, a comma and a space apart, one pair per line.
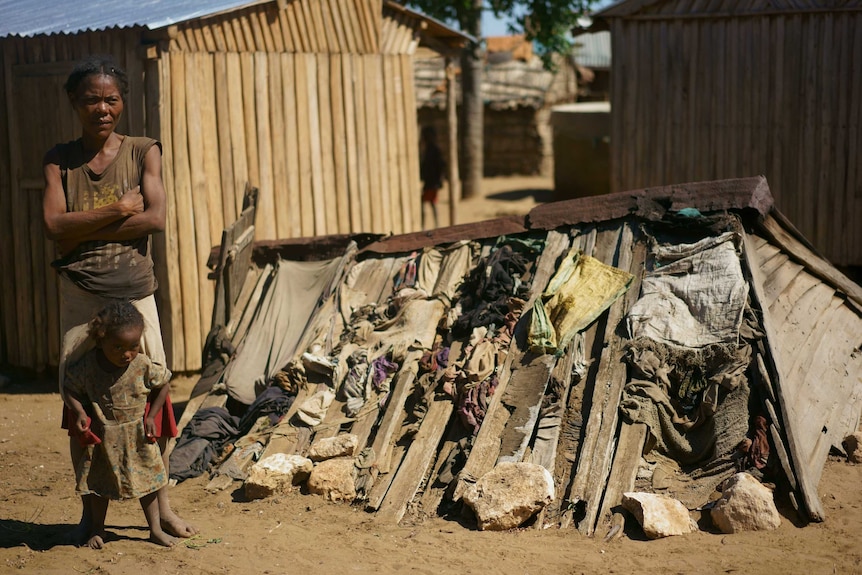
312, 102
328, 140
35, 116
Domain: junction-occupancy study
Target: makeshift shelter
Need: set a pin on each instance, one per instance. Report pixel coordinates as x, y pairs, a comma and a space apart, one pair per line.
599, 337
312, 102
724, 89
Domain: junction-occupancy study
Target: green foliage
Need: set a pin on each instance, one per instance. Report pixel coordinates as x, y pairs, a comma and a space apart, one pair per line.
548, 23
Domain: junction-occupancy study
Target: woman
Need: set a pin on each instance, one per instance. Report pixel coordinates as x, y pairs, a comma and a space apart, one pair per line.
103, 198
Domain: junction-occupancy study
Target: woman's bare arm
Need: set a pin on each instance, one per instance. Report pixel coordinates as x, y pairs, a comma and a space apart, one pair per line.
152, 218
63, 225
146, 216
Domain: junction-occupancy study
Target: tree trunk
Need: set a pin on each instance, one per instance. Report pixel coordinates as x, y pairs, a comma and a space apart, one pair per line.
472, 107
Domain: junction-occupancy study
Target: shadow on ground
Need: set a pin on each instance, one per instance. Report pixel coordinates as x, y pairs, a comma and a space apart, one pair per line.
16, 383
41, 537
38, 537
539, 195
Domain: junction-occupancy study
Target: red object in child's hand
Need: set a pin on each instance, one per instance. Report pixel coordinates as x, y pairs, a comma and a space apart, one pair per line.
87, 437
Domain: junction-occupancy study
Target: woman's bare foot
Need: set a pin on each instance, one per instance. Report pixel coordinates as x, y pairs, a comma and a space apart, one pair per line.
96, 541
162, 538
175, 525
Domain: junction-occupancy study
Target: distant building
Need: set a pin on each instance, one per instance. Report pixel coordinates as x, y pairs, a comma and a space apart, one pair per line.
518, 94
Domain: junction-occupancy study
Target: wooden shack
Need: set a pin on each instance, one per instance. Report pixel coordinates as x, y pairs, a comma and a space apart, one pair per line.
710, 90
518, 93
311, 101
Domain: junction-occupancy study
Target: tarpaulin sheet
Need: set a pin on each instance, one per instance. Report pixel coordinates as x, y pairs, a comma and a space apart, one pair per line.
694, 296
281, 318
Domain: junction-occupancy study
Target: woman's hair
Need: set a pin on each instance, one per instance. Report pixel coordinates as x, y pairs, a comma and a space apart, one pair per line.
114, 318
97, 65
429, 134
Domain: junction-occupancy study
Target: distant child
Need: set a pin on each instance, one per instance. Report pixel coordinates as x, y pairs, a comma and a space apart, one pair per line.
107, 390
432, 171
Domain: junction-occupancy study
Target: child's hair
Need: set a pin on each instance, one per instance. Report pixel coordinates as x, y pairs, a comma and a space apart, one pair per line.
99, 65
114, 318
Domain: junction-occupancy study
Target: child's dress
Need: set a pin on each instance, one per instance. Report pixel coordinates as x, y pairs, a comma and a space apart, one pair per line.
125, 465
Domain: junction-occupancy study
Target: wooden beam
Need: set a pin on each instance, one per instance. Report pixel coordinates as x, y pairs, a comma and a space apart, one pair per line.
453, 176
813, 262
652, 203
417, 460
807, 489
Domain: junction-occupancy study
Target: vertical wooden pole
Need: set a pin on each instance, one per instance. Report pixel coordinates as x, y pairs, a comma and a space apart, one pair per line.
185, 215
166, 251
452, 124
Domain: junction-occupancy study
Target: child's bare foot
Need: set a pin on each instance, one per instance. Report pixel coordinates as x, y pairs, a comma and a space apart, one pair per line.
175, 525
96, 541
162, 538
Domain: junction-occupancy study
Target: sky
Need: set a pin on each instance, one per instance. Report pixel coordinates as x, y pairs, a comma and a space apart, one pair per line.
493, 26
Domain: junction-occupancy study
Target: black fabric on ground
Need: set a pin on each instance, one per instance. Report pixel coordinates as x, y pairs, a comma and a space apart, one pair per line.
201, 441
274, 402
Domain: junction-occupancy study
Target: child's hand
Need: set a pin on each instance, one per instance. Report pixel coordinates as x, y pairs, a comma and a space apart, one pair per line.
150, 429
81, 423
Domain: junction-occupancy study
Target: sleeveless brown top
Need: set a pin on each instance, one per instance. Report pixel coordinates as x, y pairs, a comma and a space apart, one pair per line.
116, 269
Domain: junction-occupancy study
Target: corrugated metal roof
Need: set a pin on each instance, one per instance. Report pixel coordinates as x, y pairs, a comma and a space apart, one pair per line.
593, 49
33, 17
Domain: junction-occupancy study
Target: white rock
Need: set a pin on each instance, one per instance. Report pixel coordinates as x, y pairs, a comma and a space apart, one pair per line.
853, 445
509, 494
745, 505
334, 479
659, 515
330, 447
276, 474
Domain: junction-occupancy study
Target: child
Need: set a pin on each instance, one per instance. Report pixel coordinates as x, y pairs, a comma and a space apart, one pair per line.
432, 171
107, 391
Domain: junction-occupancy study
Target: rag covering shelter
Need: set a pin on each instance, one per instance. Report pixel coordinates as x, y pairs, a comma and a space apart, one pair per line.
656, 340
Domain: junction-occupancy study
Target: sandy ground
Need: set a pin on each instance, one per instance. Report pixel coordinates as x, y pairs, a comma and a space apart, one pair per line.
499, 197
300, 533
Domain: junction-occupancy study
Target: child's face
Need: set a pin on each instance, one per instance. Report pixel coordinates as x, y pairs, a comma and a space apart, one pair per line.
121, 347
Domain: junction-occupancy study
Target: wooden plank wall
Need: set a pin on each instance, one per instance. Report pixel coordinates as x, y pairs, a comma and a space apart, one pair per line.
780, 95
302, 118
304, 26
818, 332
32, 77
317, 113
312, 104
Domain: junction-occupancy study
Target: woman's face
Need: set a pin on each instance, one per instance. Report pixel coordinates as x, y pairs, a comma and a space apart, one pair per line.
99, 104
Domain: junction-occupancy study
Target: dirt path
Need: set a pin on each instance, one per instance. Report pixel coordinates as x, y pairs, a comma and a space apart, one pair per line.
500, 197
